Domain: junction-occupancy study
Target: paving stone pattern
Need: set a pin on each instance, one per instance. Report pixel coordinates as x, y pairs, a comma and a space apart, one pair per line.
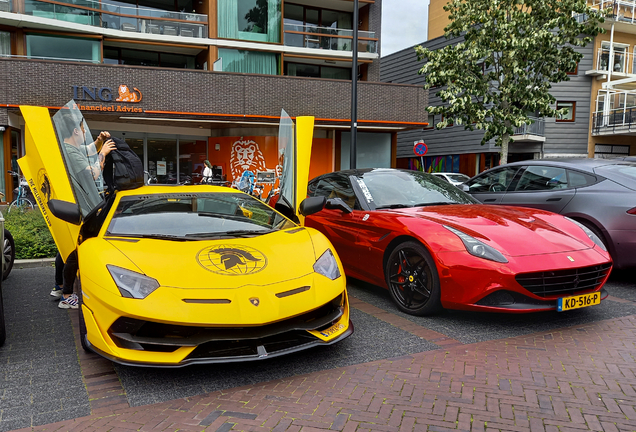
575, 379
397, 373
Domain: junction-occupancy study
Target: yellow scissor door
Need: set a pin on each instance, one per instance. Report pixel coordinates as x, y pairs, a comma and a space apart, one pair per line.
45, 169
294, 147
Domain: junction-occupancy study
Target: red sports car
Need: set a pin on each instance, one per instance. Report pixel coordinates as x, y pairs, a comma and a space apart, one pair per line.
434, 246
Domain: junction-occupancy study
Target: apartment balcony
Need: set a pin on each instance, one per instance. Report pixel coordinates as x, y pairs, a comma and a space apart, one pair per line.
533, 132
327, 38
116, 16
620, 121
622, 13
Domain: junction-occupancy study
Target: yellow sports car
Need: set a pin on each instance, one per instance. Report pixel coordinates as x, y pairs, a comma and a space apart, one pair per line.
179, 275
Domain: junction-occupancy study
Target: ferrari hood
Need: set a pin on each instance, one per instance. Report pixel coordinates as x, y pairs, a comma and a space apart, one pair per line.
224, 263
514, 231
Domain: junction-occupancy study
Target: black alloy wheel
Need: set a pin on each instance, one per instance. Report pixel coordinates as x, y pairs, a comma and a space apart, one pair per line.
412, 279
8, 249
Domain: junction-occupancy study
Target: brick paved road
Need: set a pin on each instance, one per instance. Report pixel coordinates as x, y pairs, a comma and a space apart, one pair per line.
577, 373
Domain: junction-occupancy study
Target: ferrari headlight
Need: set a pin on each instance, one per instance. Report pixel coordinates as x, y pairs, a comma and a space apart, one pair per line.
132, 284
327, 265
478, 248
590, 234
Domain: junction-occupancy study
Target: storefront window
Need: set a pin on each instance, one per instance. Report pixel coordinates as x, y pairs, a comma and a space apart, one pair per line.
192, 154
114, 55
162, 159
63, 48
373, 150
316, 71
255, 20
249, 61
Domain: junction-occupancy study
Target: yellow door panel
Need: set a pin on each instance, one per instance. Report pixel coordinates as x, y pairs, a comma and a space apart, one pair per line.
46, 174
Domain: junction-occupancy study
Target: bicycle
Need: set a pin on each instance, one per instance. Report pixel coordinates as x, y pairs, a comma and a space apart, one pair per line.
21, 202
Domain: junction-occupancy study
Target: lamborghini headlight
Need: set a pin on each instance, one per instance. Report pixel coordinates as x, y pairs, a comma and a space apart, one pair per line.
132, 284
478, 248
327, 265
590, 234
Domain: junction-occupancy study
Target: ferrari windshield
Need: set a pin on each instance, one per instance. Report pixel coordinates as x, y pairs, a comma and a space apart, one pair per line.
194, 216
397, 189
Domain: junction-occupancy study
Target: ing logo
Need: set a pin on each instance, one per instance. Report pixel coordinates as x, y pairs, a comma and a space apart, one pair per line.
127, 95
232, 260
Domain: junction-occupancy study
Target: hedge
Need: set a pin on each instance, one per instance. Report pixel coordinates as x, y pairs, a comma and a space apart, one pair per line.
30, 233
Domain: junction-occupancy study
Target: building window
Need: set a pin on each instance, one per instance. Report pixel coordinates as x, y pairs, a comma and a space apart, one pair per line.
63, 48
569, 116
317, 71
256, 20
249, 61
312, 27
114, 55
5, 43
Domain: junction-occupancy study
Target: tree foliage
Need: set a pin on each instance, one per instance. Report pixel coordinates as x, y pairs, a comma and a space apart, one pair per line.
511, 53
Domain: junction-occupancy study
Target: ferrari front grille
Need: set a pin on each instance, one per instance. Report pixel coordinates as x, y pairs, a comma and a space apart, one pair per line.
132, 333
564, 282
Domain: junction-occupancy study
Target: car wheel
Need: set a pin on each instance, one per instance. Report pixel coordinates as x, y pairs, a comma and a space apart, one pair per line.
8, 249
82, 323
412, 279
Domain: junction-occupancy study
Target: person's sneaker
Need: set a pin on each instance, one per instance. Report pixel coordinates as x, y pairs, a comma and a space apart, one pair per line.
56, 292
71, 302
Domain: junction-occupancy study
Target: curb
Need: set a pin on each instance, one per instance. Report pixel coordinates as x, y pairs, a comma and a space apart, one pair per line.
33, 263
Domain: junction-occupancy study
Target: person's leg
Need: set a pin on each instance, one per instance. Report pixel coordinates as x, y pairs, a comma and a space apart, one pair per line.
69, 300
59, 277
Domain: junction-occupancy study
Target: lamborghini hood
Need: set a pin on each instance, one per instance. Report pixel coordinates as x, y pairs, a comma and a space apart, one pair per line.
514, 231
224, 263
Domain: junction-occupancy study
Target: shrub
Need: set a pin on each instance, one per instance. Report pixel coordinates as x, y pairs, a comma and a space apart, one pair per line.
31, 234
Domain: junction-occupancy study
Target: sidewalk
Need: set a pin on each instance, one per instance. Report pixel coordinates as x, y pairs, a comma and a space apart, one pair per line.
32, 263
572, 379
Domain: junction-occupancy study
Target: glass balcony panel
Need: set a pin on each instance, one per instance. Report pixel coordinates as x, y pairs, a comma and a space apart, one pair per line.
327, 38
121, 16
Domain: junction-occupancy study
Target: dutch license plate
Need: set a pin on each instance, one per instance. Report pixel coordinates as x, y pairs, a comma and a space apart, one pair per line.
579, 301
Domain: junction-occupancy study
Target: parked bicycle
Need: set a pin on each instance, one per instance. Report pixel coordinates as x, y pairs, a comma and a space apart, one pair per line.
21, 202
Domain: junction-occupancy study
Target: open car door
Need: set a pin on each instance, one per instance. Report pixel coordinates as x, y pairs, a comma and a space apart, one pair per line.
294, 153
49, 155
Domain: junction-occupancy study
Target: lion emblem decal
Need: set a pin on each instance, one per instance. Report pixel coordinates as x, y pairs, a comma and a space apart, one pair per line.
125, 95
246, 155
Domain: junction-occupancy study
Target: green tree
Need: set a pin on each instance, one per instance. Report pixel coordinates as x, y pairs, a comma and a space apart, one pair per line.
502, 70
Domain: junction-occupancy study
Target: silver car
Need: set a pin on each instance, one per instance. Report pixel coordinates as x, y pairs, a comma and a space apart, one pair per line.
599, 193
453, 178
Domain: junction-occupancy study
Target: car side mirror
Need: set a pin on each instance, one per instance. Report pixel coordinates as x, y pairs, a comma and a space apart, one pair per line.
68, 212
465, 188
312, 205
338, 204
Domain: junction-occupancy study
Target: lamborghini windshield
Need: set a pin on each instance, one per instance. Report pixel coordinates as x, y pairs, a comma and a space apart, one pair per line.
194, 216
80, 156
400, 189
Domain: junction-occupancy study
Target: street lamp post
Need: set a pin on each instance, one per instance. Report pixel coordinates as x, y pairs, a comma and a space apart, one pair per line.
354, 88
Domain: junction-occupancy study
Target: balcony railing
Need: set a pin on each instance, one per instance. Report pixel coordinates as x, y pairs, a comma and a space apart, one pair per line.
536, 128
619, 10
328, 38
125, 18
623, 61
619, 121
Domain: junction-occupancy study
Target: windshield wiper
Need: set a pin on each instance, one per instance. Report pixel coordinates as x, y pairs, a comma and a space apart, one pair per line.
150, 236
233, 233
433, 204
393, 206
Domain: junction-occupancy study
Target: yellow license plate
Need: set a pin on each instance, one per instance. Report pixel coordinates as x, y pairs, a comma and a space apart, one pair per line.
579, 301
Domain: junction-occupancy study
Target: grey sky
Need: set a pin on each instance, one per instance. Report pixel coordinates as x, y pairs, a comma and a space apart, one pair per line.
403, 24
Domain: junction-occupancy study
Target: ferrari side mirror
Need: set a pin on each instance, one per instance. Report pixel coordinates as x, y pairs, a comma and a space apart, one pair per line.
312, 205
337, 204
68, 212
465, 188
